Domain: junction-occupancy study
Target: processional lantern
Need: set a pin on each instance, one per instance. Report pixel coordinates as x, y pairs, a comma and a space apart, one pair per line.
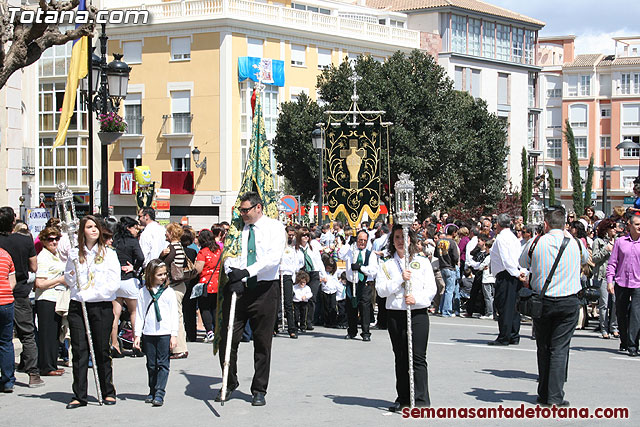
405, 210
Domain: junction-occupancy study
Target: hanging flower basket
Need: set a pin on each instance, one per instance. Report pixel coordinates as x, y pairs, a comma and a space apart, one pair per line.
107, 138
112, 126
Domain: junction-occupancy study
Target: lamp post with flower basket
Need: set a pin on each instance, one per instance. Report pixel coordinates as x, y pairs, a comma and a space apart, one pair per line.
109, 83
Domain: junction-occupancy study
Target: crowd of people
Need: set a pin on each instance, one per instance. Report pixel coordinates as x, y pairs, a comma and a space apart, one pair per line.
146, 288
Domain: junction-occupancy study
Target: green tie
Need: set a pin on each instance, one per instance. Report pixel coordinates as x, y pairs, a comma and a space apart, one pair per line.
308, 264
252, 282
360, 273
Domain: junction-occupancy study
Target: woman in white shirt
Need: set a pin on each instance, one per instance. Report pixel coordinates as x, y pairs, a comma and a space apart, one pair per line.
390, 283
95, 282
49, 286
308, 253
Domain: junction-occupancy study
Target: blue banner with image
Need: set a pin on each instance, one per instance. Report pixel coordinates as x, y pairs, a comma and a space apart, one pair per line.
273, 70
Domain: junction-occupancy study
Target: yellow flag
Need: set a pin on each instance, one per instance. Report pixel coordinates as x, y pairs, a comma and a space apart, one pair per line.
77, 70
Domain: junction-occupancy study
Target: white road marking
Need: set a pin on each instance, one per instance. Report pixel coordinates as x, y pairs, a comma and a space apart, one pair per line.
625, 358
503, 347
493, 325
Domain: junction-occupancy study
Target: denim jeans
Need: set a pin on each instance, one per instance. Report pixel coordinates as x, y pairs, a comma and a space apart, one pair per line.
487, 291
446, 304
7, 357
606, 308
156, 348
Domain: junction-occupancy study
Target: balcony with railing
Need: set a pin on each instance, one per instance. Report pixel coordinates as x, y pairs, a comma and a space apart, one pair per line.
177, 124
278, 15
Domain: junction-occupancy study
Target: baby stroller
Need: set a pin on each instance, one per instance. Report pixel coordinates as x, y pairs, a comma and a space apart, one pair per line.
125, 335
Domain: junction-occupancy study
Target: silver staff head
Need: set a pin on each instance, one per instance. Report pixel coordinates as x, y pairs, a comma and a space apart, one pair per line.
405, 210
66, 209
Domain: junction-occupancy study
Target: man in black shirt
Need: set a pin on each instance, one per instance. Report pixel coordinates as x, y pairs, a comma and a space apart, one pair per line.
23, 254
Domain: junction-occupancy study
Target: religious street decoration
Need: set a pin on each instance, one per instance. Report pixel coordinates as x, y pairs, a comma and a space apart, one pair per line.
354, 141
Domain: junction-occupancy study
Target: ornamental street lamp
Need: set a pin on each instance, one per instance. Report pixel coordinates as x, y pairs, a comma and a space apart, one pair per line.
628, 144
109, 83
196, 159
318, 143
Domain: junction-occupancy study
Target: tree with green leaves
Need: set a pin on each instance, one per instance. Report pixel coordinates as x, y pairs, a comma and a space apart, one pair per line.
552, 188
449, 143
297, 159
588, 186
574, 166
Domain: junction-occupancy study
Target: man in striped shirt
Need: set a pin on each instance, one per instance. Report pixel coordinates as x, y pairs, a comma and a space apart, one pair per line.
560, 303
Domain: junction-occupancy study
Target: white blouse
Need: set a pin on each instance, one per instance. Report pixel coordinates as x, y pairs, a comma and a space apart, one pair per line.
390, 285
99, 276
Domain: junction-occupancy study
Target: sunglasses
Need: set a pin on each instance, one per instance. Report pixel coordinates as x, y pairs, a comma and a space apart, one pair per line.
246, 210
52, 239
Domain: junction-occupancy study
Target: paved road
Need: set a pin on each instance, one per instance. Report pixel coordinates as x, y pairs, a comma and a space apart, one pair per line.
322, 379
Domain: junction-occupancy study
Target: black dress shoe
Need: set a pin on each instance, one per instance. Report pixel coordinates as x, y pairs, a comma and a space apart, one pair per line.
541, 401
75, 404
149, 399
622, 347
349, 337
109, 402
310, 328
258, 400
496, 342
230, 391
633, 352
157, 402
293, 335
514, 342
397, 407
366, 338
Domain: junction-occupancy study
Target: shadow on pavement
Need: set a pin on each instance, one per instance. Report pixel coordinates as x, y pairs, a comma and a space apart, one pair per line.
510, 373
471, 341
499, 396
55, 396
360, 401
199, 388
131, 396
606, 350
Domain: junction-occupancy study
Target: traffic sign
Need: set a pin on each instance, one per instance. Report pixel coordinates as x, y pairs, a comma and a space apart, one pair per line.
289, 204
629, 200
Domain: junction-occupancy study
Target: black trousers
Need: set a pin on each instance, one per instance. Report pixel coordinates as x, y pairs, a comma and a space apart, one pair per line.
628, 311
364, 291
48, 330
505, 301
287, 284
476, 297
301, 308
553, 337
100, 321
314, 315
330, 309
189, 307
341, 318
207, 304
258, 307
397, 326
381, 322
25, 331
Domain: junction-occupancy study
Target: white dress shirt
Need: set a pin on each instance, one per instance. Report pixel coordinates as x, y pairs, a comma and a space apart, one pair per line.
332, 284
467, 250
505, 254
153, 241
313, 250
146, 321
300, 292
291, 262
389, 283
105, 272
380, 244
271, 241
349, 253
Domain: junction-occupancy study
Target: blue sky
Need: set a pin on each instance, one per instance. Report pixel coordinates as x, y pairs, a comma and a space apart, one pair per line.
593, 22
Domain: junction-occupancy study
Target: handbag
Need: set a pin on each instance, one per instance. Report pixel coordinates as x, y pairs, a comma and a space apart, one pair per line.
182, 273
201, 288
531, 305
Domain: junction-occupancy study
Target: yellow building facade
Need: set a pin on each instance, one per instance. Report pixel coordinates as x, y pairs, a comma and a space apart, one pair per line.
184, 89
